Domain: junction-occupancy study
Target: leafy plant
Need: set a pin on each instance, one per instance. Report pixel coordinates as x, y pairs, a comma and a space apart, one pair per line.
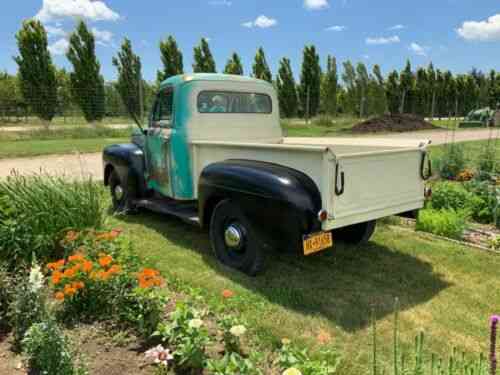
28, 305
35, 210
484, 205
48, 350
292, 358
6, 295
449, 195
445, 222
487, 163
452, 162
232, 331
495, 243
232, 364
186, 332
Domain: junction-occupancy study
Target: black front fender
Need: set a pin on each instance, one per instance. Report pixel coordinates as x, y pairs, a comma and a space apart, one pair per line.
282, 203
128, 161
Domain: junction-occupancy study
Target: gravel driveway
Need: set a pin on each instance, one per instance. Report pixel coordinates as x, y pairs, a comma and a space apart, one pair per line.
77, 165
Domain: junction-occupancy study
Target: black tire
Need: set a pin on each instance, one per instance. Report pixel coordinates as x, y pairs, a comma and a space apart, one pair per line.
356, 234
122, 203
247, 256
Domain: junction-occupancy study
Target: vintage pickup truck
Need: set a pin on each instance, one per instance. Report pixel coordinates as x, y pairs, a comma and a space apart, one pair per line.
214, 154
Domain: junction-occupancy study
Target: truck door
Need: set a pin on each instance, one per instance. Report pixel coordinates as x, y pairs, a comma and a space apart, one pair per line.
157, 146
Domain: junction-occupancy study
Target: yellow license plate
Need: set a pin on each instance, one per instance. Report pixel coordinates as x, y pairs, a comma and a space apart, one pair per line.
316, 242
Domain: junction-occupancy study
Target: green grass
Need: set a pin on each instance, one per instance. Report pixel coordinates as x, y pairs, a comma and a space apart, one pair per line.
29, 148
443, 288
60, 120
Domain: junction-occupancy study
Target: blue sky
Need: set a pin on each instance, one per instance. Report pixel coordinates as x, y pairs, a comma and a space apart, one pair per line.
454, 34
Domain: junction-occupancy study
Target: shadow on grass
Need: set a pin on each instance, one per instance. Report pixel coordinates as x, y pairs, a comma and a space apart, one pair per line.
342, 285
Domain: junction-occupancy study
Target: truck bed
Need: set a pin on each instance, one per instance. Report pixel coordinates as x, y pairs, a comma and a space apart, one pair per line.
382, 177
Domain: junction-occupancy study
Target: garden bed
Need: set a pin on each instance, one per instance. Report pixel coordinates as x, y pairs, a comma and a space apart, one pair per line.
393, 123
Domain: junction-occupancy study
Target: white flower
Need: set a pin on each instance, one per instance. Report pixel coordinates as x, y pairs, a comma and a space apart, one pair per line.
292, 371
159, 355
195, 323
36, 278
238, 331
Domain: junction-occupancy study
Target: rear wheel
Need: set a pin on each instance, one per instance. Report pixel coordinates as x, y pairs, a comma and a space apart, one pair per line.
233, 239
356, 234
121, 195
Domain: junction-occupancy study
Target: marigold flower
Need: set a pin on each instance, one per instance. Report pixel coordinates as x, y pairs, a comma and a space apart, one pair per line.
56, 277
69, 273
105, 260
87, 266
78, 257
55, 265
103, 275
59, 296
69, 290
149, 272
78, 285
226, 293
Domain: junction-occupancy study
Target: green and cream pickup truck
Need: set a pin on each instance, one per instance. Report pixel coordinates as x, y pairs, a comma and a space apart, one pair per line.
214, 154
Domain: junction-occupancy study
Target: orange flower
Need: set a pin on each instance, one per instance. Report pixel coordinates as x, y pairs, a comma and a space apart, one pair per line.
149, 278
115, 269
59, 296
56, 265
323, 337
226, 293
103, 275
69, 273
69, 290
78, 285
105, 260
87, 266
149, 272
78, 257
56, 277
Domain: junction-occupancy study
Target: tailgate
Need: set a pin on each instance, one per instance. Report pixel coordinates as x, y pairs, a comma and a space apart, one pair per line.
376, 184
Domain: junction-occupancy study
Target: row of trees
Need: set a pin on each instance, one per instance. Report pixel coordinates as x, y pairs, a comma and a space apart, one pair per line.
46, 90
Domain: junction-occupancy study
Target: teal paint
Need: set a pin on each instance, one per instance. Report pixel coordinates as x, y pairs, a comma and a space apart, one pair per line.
180, 161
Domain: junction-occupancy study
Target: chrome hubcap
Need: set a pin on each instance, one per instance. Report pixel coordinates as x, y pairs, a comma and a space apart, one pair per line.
118, 192
233, 236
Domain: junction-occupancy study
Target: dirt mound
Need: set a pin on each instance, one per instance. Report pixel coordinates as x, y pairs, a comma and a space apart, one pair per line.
393, 123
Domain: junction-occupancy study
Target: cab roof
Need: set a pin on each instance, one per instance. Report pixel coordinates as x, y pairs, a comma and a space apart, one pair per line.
190, 77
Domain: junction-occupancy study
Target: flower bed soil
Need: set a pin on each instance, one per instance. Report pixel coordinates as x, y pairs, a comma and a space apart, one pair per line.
393, 123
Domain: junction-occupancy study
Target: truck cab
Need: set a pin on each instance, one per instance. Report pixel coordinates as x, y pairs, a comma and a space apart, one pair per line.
214, 154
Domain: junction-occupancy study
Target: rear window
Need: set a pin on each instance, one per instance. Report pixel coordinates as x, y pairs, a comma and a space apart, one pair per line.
233, 102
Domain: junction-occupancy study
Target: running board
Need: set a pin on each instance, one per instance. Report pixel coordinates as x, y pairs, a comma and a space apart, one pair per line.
186, 211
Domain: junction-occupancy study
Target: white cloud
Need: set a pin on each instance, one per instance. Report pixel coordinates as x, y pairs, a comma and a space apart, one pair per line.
55, 31
397, 27
226, 3
103, 37
335, 28
366, 57
262, 21
418, 49
91, 10
316, 4
383, 40
483, 31
60, 47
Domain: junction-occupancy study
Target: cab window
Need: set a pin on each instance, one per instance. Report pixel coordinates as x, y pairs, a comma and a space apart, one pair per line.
233, 102
162, 115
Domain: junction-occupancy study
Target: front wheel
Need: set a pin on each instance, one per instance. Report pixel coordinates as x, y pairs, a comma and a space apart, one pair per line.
121, 195
356, 234
233, 239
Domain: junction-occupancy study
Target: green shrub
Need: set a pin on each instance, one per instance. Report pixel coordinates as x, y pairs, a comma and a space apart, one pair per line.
452, 162
290, 357
483, 206
449, 195
35, 210
48, 350
445, 222
487, 163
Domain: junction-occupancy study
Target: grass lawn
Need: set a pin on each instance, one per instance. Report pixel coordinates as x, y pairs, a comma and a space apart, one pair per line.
446, 289
28, 148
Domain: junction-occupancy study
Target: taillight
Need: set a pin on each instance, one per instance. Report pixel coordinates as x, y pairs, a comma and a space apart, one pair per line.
322, 215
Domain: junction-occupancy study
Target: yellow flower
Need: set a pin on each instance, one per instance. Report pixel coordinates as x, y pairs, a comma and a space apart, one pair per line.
285, 341
292, 371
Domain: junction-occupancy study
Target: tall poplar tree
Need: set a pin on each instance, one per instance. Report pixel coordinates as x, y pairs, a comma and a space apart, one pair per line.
406, 83
171, 57
129, 83
329, 86
37, 74
393, 92
260, 67
87, 84
349, 78
379, 98
203, 60
234, 65
310, 81
287, 92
